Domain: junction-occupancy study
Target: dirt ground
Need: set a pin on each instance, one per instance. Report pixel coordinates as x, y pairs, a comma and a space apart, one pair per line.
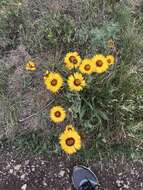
22, 172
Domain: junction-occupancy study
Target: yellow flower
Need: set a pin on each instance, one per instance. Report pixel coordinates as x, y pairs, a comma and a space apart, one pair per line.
46, 74
72, 60
76, 82
30, 66
87, 66
57, 114
53, 82
100, 63
110, 44
110, 59
69, 127
70, 140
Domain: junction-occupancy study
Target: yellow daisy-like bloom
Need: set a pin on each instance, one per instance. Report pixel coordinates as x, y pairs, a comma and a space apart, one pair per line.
100, 63
87, 66
57, 114
46, 74
72, 60
53, 81
30, 66
76, 82
70, 140
69, 127
111, 43
110, 59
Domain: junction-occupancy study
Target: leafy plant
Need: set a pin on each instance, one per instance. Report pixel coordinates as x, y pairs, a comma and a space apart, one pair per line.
51, 30
98, 36
10, 23
109, 110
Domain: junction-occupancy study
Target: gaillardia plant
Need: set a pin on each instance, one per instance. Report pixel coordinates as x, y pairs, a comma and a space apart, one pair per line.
80, 71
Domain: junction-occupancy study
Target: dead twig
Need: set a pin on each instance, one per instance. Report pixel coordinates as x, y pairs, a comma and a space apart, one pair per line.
35, 114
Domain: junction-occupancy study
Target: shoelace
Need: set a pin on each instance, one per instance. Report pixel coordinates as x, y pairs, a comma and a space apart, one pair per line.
88, 186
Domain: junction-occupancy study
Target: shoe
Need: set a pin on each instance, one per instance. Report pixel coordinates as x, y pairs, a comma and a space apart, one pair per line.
84, 179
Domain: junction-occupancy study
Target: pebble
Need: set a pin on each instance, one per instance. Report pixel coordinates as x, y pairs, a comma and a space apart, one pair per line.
33, 168
119, 174
61, 173
44, 183
119, 183
22, 176
42, 162
17, 167
24, 187
126, 186
11, 171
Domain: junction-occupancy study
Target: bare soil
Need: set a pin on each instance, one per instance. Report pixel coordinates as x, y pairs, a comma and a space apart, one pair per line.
23, 172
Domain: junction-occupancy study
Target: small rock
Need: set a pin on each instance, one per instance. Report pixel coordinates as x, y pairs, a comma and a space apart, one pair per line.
126, 186
42, 162
118, 182
17, 167
24, 187
61, 173
33, 168
44, 183
22, 176
11, 171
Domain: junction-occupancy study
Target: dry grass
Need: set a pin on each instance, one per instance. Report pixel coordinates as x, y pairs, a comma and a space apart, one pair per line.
46, 30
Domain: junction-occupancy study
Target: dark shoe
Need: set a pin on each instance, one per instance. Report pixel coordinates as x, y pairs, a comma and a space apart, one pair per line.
84, 179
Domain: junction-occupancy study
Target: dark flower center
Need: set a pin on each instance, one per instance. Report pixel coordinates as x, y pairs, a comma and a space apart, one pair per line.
57, 113
73, 60
87, 67
77, 82
109, 60
46, 75
99, 63
70, 141
69, 129
31, 66
54, 82
111, 43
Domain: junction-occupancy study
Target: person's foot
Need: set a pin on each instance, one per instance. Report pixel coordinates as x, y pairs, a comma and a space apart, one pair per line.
84, 179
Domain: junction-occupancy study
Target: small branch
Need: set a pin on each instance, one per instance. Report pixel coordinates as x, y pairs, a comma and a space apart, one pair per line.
48, 104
